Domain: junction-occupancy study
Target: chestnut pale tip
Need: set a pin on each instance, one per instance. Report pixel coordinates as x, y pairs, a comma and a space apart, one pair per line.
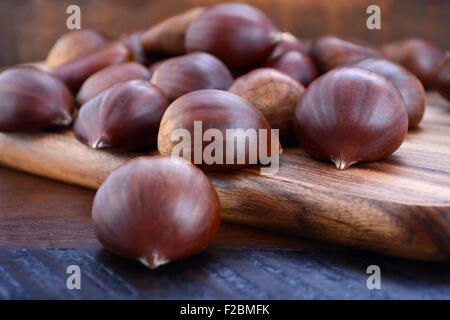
64, 120
278, 36
100, 142
287, 36
154, 262
341, 164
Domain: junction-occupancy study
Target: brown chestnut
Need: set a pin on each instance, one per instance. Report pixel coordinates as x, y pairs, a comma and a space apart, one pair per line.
156, 210
218, 130
410, 87
110, 76
238, 34
125, 116
419, 56
31, 99
273, 93
132, 39
296, 64
73, 44
328, 52
442, 82
167, 37
152, 68
194, 71
351, 115
287, 43
76, 71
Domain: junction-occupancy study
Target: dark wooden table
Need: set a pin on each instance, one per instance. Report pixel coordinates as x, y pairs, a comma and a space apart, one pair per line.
40, 223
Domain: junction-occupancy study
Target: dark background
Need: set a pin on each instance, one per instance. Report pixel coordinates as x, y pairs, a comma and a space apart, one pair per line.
28, 28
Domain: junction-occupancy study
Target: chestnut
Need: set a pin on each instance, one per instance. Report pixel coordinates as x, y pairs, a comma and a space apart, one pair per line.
238, 34
156, 210
287, 43
125, 116
273, 93
132, 40
328, 52
31, 99
73, 44
155, 66
410, 87
442, 82
167, 37
351, 115
296, 64
419, 56
110, 76
213, 129
194, 71
76, 71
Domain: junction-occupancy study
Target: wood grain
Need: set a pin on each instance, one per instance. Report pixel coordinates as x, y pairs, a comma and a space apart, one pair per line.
399, 207
45, 227
41, 213
333, 273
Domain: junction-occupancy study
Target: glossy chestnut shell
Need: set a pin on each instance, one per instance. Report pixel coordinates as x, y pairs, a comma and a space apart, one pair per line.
238, 34
328, 52
125, 116
351, 115
216, 110
110, 76
152, 68
76, 71
72, 44
31, 99
194, 71
442, 82
167, 37
296, 64
410, 87
273, 93
419, 56
156, 209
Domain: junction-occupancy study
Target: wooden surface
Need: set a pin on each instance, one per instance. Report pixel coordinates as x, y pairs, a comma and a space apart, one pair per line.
219, 274
45, 227
400, 206
42, 213
28, 28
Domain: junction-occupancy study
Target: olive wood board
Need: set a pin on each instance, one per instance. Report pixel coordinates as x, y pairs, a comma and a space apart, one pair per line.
399, 206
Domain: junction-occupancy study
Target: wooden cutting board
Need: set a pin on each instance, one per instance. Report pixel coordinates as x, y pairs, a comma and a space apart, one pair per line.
399, 206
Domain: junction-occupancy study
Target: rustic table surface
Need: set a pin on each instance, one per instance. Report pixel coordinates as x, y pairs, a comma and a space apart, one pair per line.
40, 223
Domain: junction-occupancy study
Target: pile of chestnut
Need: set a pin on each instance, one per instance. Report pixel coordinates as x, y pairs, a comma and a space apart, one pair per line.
230, 67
